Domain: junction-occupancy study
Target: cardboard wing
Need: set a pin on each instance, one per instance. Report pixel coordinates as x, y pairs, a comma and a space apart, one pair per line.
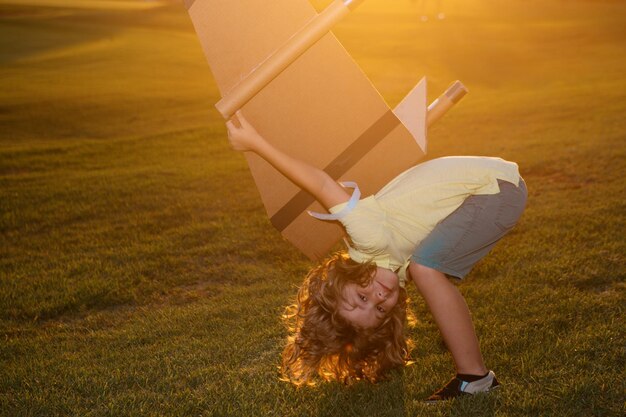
315, 104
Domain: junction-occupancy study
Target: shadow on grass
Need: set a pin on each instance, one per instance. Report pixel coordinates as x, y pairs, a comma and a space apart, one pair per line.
363, 399
27, 31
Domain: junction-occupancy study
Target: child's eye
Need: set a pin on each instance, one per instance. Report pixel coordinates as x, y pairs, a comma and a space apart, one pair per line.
382, 310
362, 297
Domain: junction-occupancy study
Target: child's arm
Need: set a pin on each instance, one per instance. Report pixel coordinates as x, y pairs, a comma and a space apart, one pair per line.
318, 183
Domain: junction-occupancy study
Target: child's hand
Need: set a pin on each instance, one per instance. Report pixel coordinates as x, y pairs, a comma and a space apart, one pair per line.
241, 134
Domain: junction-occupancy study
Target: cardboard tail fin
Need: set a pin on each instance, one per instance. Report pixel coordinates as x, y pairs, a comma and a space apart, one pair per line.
412, 112
416, 116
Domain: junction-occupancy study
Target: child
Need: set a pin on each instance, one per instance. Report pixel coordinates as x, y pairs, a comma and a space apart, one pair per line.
435, 220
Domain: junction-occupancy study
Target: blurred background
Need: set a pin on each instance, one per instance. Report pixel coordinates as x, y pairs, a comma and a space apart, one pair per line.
139, 274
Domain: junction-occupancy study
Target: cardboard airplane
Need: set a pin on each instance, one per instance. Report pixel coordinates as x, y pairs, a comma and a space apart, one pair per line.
278, 61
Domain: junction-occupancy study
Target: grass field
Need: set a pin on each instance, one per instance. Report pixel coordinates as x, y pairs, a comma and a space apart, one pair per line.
139, 274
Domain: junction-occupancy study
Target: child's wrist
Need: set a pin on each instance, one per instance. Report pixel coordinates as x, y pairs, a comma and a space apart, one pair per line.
258, 144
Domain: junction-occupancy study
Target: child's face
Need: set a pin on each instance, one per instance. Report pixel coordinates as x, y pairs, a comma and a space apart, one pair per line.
367, 306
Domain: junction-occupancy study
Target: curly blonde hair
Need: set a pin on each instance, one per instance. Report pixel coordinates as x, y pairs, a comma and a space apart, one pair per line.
323, 343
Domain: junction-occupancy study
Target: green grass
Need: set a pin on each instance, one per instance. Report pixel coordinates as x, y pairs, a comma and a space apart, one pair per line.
139, 274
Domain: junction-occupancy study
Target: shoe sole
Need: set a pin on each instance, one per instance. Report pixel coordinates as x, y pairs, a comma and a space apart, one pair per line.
462, 395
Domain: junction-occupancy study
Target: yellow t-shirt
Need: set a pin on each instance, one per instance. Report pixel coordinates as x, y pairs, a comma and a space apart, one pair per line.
388, 226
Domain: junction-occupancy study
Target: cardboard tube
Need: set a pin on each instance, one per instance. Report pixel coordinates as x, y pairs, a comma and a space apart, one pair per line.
283, 57
441, 105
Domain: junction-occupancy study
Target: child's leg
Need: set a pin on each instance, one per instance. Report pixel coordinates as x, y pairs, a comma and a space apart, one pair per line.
452, 316
454, 246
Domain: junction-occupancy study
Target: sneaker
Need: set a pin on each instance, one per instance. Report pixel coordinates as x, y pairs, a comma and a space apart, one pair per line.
457, 387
